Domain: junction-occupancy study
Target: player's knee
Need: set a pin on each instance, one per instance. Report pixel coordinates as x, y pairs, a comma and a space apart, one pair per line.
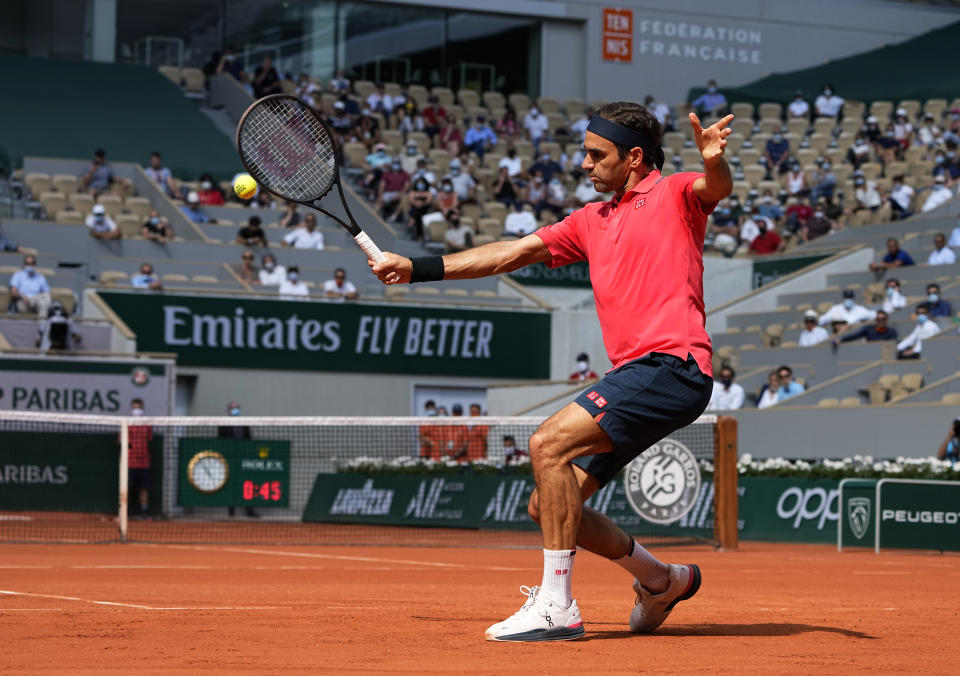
533, 507
543, 449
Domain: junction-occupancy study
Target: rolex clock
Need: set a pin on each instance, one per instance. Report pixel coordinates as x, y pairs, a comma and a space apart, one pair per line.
208, 471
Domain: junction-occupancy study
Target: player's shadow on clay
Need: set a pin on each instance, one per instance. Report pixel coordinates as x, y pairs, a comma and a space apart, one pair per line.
760, 629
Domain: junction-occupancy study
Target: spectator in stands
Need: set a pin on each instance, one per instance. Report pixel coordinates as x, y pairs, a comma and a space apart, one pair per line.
235, 432
894, 258
100, 225
798, 108
824, 181
366, 130
246, 270
712, 103
583, 372
536, 127
291, 217
941, 254
945, 164
578, 130
99, 176
339, 288
846, 313
661, 111
724, 229
480, 138
871, 332
375, 164
859, 151
447, 198
751, 226
866, 194
936, 305
463, 183
547, 166
770, 394
339, 84
266, 80
817, 225
455, 437
138, 463
873, 131
511, 454
156, 228
901, 198
902, 129
305, 89
796, 179
421, 201
511, 162
769, 208
929, 134
912, 346
434, 116
776, 153
224, 63
252, 233
727, 395
507, 126
209, 192
160, 175
272, 274
411, 155
7, 245
828, 104
887, 146
955, 236
788, 386
194, 211
378, 101
767, 240
939, 194
950, 448
423, 173
305, 237
57, 331
29, 290
410, 118
505, 190
893, 299
798, 212
293, 288
585, 192
812, 333
393, 185
519, 222
537, 194
341, 122
458, 237
476, 436
146, 279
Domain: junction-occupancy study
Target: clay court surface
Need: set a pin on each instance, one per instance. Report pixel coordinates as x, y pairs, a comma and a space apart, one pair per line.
228, 609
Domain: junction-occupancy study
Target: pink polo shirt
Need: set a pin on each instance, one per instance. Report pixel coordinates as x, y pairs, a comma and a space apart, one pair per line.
646, 265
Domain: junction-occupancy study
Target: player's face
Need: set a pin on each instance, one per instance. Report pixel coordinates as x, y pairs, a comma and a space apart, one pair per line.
603, 165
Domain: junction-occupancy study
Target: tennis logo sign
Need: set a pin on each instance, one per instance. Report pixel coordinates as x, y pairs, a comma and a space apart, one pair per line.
663, 483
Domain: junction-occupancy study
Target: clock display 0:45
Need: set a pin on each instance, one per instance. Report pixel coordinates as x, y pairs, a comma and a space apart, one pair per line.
268, 491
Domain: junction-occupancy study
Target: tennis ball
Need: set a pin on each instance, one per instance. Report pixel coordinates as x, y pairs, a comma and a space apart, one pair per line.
244, 186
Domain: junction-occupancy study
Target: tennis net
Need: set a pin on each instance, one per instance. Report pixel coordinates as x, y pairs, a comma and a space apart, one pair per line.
77, 478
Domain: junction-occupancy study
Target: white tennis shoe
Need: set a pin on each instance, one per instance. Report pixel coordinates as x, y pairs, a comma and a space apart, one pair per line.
539, 619
650, 610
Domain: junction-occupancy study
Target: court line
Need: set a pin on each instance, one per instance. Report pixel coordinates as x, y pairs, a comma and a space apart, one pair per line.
5, 610
25, 567
342, 557
132, 605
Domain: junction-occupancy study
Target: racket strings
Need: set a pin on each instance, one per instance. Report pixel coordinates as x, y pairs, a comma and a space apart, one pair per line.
288, 150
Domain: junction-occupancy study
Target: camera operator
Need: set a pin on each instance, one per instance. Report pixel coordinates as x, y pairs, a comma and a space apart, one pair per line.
950, 448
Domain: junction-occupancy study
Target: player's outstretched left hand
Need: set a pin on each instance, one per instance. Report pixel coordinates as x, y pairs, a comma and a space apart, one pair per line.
711, 141
394, 270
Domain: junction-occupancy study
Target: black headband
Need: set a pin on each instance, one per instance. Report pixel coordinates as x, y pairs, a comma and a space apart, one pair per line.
627, 137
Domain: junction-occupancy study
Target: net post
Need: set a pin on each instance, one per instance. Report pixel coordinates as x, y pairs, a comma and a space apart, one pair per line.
124, 479
725, 483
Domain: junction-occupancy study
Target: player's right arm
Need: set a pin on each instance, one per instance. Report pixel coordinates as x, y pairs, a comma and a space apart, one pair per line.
495, 258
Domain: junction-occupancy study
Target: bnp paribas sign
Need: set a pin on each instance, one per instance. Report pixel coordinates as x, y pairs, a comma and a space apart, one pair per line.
320, 336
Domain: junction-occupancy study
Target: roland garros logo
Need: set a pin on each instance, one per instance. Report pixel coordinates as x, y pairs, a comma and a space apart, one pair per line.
662, 483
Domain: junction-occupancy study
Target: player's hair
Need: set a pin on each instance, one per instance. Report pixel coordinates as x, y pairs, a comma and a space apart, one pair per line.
934, 285
924, 307
727, 367
339, 270
785, 368
639, 118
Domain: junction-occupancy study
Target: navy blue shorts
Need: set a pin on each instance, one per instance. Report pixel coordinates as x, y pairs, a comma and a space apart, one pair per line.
639, 404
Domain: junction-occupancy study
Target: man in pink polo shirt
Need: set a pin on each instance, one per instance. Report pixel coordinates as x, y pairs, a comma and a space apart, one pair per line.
644, 248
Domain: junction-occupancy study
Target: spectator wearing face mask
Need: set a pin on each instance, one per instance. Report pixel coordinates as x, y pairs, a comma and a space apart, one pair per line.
871, 332
421, 201
893, 299
209, 192
776, 153
939, 195
912, 346
901, 198
100, 225
796, 214
788, 386
712, 103
447, 198
513, 455
586, 192
293, 288
828, 104
796, 179
430, 435
824, 181
394, 184
941, 254
480, 138
768, 207
583, 372
812, 333
423, 173
848, 312
138, 459
894, 258
519, 222
235, 432
463, 182
272, 274
578, 130
57, 331
193, 210
433, 116
506, 190
798, 108
375, 164
866, 193
945, 166
341, 122
411, 154
751, 226
888, 146
459, 237
147, 279
817, 225
727, 395
512, 163
724, 231
156, 228
767, 240
661, 111
859, 151
29, 289
903, 129
935, 304
252, 234
547, 166
929, 134
536, 127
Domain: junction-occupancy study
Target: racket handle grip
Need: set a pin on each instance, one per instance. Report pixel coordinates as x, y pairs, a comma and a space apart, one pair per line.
372, 250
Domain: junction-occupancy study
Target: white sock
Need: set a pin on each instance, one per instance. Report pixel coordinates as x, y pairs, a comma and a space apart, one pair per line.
558, 575
648, 569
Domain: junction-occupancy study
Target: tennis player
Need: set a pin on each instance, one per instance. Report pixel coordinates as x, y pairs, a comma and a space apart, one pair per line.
644, 248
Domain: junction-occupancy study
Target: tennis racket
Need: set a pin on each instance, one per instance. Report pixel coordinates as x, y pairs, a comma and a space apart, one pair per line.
290, 152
